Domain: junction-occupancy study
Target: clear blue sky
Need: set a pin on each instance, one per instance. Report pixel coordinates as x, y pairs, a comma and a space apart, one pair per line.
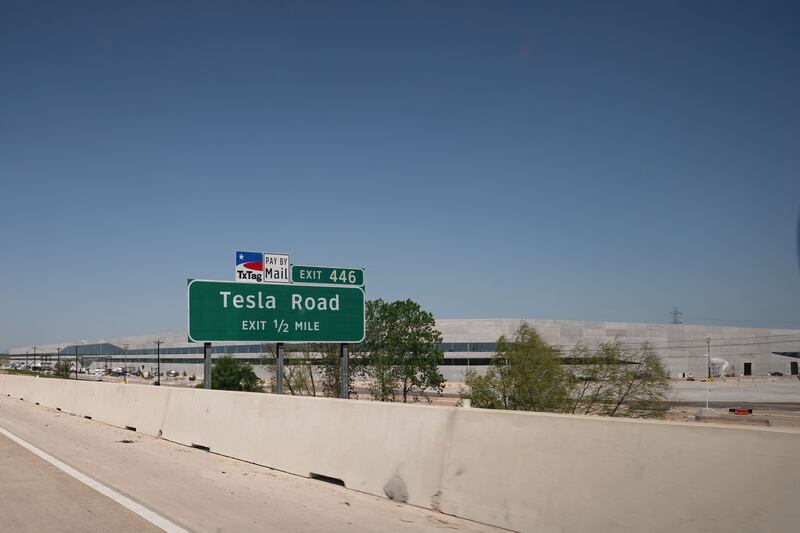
566, 160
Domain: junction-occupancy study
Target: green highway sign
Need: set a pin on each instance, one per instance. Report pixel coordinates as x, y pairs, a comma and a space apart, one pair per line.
230, 311
319, 275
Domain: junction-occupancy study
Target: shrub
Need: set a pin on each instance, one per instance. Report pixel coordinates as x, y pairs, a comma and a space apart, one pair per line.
228, 373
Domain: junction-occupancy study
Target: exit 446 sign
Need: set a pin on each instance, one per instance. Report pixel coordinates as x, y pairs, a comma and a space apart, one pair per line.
230, 311
318, 275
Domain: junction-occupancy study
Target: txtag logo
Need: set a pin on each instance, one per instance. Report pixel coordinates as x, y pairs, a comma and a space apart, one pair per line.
249, 267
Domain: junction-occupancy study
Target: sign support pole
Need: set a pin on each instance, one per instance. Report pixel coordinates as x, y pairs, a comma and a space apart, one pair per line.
158, 344
279, 368
206, 365
344, 379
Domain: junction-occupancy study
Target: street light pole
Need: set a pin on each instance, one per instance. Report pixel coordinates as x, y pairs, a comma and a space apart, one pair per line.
158, 344
76, 362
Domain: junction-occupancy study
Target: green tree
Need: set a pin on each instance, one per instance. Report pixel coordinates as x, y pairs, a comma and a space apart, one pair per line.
62, 369
298, 372
267, 361
595, 376
401, 352
314, 369
330, 370
525, 374
228, 373
377, 361
484, 390
528, 374
640, 387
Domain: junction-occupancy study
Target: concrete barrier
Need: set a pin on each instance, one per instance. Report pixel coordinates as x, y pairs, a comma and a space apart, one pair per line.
522, 471
19, 387
553, 473
371, 447
140, 407
55, 393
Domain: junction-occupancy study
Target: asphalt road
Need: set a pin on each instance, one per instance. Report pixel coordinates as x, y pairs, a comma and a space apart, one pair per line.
37, 496
192, 489
780, 392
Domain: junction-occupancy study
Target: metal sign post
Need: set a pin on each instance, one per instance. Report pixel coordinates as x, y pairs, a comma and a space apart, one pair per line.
158, 344
206, 365
279, 368
344, 379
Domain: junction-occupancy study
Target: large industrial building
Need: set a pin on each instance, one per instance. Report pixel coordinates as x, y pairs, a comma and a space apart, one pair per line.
470, 343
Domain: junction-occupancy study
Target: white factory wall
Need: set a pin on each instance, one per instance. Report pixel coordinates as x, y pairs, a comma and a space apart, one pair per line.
681, 347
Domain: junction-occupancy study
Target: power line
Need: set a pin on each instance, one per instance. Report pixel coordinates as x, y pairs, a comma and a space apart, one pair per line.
718, 344
699, 346
731, 355
752, 337
734, 345
752, 343
717, 322
702, 340
749, 321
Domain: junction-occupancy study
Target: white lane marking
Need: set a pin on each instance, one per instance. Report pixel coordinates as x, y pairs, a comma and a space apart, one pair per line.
147, 514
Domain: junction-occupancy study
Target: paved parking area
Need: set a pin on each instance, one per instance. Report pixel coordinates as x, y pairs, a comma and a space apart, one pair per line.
785, 390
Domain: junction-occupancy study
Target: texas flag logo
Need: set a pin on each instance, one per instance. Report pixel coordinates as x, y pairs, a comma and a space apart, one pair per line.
249, 267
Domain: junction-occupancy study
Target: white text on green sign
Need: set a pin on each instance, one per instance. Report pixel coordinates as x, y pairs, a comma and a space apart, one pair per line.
318, 275
229, 311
